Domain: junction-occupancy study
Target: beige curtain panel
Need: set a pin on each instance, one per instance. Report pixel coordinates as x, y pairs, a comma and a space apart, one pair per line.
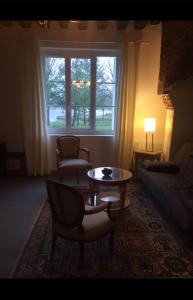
35, 132
126, 105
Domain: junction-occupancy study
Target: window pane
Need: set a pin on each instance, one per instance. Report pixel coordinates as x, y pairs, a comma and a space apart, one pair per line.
68, 91
105, 106
106, 69
80, 93
55, 91
105, 93
80, 69
55, 68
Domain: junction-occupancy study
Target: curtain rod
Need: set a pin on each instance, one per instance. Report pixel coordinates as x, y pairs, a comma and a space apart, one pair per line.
142, 42
90, 42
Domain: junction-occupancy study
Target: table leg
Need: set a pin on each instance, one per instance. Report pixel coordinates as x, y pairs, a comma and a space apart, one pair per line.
122, 191
92, 193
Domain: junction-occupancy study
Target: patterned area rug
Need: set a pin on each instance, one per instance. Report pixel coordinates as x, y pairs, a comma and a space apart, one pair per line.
144, 248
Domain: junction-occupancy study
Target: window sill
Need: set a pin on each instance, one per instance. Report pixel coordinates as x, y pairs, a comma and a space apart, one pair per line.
83, 135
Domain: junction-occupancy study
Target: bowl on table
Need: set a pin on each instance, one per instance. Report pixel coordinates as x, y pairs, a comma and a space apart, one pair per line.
107, 171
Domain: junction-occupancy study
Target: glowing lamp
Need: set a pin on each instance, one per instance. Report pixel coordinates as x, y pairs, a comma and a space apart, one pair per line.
149, 128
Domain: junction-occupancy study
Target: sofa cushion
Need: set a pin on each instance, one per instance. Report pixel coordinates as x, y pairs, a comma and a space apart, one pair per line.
183, 155
178, 203
162, 167
173, 191
159, 184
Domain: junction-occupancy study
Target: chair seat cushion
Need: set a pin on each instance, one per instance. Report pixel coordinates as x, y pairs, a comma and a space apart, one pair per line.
95, 226
75, 164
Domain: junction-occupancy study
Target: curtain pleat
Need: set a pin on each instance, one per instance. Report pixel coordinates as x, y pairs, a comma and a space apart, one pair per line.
126, 106
33, 103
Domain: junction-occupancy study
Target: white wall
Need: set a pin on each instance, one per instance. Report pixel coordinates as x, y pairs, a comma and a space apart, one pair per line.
168, 133
148, 103
11, 128
102, 147
11, 123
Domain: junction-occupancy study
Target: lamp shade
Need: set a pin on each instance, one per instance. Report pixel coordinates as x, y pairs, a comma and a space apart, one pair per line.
149, 124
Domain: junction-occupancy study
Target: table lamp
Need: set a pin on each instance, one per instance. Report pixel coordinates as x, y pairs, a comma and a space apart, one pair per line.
149, 128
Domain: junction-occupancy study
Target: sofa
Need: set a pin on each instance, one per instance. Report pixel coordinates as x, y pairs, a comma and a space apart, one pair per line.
171, 185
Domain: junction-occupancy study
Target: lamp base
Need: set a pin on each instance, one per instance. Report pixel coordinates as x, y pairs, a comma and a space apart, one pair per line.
149, 149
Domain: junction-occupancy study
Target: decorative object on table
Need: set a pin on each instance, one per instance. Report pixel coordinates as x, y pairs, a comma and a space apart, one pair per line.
149, 128
106, 177
107, 172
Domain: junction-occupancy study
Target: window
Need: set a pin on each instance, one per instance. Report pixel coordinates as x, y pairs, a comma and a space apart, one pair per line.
80, 89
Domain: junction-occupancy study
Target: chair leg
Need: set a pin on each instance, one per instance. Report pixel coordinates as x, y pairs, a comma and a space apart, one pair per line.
112, 241
81, 252
54, 237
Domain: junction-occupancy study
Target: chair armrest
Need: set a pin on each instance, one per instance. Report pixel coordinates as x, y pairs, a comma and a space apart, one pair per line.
95, 209
87, 152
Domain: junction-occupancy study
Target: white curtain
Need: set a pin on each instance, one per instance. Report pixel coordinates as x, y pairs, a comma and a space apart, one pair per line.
34, 114
126, 105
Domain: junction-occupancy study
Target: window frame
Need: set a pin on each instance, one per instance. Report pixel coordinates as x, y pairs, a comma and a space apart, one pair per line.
90, 53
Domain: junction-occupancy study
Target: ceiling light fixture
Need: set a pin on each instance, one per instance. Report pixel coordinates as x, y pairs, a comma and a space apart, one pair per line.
43, 24
81, 83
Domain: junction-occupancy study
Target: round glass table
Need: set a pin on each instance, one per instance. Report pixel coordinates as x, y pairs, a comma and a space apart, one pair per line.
119, 177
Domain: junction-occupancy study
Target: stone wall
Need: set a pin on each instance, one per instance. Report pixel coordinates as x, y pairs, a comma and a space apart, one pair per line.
176, 58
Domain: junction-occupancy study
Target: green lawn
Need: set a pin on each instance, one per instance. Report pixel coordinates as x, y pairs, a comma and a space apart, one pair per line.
101, 125
57, 124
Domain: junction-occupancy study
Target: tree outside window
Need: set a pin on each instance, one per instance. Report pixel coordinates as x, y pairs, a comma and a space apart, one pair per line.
71, 95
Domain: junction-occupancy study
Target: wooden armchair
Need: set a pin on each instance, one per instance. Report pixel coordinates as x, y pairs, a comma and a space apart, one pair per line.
68, 156
75, 221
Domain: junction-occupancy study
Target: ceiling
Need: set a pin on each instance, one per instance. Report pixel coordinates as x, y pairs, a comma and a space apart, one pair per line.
81, 24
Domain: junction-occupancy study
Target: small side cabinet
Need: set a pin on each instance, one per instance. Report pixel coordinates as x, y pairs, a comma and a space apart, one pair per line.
141, 156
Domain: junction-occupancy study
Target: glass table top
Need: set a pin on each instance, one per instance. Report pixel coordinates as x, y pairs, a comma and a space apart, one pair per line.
117, 174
